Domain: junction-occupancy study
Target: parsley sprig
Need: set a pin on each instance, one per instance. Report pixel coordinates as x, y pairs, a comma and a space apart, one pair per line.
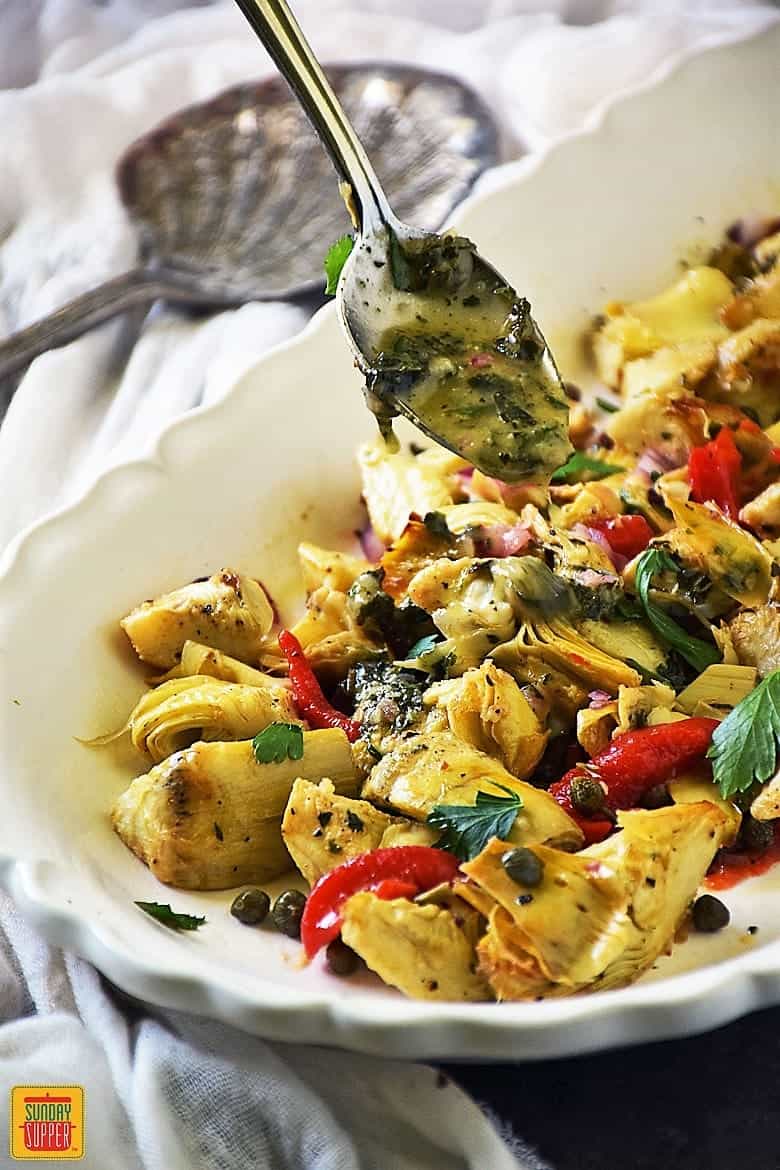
168, 917
335, 260
582, 466
278, 742
467, 828
745, 745
423, 646
698, 653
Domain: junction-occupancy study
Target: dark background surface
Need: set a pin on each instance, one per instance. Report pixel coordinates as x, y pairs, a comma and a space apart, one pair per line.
707, 1103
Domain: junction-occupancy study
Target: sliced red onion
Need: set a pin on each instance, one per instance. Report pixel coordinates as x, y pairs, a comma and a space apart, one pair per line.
655, 462
466, 477
598, 699
592, 578
596, 536
751, 229
370, 543
501, 540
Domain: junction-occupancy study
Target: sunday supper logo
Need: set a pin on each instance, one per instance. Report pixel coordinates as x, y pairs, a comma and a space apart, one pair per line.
47, 1122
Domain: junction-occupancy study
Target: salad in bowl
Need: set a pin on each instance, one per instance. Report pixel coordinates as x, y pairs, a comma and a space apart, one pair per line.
520, 736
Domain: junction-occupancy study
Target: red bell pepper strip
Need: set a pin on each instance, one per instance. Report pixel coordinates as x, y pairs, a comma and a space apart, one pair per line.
402, 872
714, 473
626, 535
633, 764
307, 692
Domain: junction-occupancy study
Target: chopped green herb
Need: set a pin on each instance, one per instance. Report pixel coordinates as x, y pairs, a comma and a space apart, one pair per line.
335, 260
436, 524
399, 265
424, 646
373, 609
698, 653
164, 914
745, 745
607, 406
582, 466
278, 742
467, 828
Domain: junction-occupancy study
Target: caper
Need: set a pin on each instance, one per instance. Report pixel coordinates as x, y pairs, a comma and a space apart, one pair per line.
755, 835
587, 795
710, 914
288, 911
656, 797
341, 959
523, 866
251, 906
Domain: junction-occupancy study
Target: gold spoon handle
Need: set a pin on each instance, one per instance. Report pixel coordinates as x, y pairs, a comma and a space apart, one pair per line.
279, 31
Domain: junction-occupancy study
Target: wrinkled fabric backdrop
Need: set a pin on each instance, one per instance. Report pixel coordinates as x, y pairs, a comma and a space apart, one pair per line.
81, 80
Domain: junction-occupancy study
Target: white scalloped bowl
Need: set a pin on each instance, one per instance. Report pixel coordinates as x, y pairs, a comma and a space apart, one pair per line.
606, 214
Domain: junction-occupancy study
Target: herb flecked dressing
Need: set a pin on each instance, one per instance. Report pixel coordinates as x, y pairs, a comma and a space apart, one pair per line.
471, 367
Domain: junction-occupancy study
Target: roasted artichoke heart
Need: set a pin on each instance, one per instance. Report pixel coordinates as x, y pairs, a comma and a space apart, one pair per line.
322, 829
209, 817
602, 916
228, 611
733, 560
756, 638
439, 768
204, 660
397, 485
173, 714
424, 951
486, 708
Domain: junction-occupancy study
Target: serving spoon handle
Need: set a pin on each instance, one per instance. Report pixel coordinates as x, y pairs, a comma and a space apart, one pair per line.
280, 32
138, 286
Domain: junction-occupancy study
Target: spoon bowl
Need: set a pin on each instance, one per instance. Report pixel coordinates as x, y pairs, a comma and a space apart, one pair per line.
443, 339
232, 190
228, 200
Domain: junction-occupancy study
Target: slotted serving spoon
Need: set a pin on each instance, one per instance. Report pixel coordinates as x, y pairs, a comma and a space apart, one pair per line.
229, 197
440, 335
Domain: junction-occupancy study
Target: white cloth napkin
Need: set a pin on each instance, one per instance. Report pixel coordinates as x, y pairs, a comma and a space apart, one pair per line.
169, 1091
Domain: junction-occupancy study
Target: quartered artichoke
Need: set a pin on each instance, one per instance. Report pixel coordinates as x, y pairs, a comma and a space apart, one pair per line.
486, 708
322, 829
601, 916
426, 951
209, 817
228, 611
438, 768
179, 711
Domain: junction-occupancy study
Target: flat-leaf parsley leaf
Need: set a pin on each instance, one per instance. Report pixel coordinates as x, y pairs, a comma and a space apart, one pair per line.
164, 914
278, 742
745, 745
698, 653
467, 828
335, 260
424, 646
